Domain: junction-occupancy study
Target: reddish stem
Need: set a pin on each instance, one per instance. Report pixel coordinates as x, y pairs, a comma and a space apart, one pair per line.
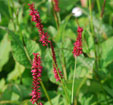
102, 12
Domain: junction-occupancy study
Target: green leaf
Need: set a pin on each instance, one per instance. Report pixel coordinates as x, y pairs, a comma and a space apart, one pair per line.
85, 100
4, 12
27, 77
107, 52
60, 34
22, 91
70, 34
14, 96
55, 101
101, 28
7, 93
52, 31
27, 81
84, 66
2, 85
109, 91
67, 5
4, 51
23, 53
17, 72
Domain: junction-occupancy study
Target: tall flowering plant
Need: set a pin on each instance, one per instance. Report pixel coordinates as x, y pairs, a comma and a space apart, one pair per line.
44, 38
72, 65
36, 66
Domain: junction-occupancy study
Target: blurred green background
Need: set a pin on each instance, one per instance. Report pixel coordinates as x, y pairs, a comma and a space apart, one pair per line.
94, 73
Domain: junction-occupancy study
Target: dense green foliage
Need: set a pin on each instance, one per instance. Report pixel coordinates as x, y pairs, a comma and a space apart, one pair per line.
19, 39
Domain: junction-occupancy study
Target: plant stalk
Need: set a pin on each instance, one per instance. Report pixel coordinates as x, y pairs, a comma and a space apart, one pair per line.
93, 34
98, 6
102, 12
45, 91
72, 97
54, 62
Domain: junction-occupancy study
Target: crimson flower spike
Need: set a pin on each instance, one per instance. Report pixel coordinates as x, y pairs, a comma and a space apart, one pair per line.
56, 5
36, 18
56, 70
78, 44
36, 73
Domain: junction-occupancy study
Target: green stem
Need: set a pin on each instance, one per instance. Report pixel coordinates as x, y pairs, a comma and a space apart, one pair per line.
56, 16
110, 19
81, 84
62, 82
91, 17
63, 62
93, 34
8, 102
62, 52
11, 15
9, 8
13, 6
64, 66
27, 54
72, 97
98, 6
56, 19
62, 85
45, 91
102, 12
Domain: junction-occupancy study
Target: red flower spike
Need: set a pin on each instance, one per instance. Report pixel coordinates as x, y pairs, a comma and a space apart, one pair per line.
36, 73
78, 44
56, 70
36, 18
56, 6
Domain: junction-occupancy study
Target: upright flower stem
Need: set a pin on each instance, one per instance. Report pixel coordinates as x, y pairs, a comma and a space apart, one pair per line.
62, 51
45, 91
72, 96
84, 3
98, 6
62, 83
63, 60
102, 12
110, 19
56, 15
63, 65
67, 98
56, 19
42, 84
93, 34
91, 17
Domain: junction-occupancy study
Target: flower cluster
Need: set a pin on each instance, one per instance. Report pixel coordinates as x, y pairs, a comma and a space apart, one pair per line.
56, 5
36, 73
78, 44
56, 70
36, 18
